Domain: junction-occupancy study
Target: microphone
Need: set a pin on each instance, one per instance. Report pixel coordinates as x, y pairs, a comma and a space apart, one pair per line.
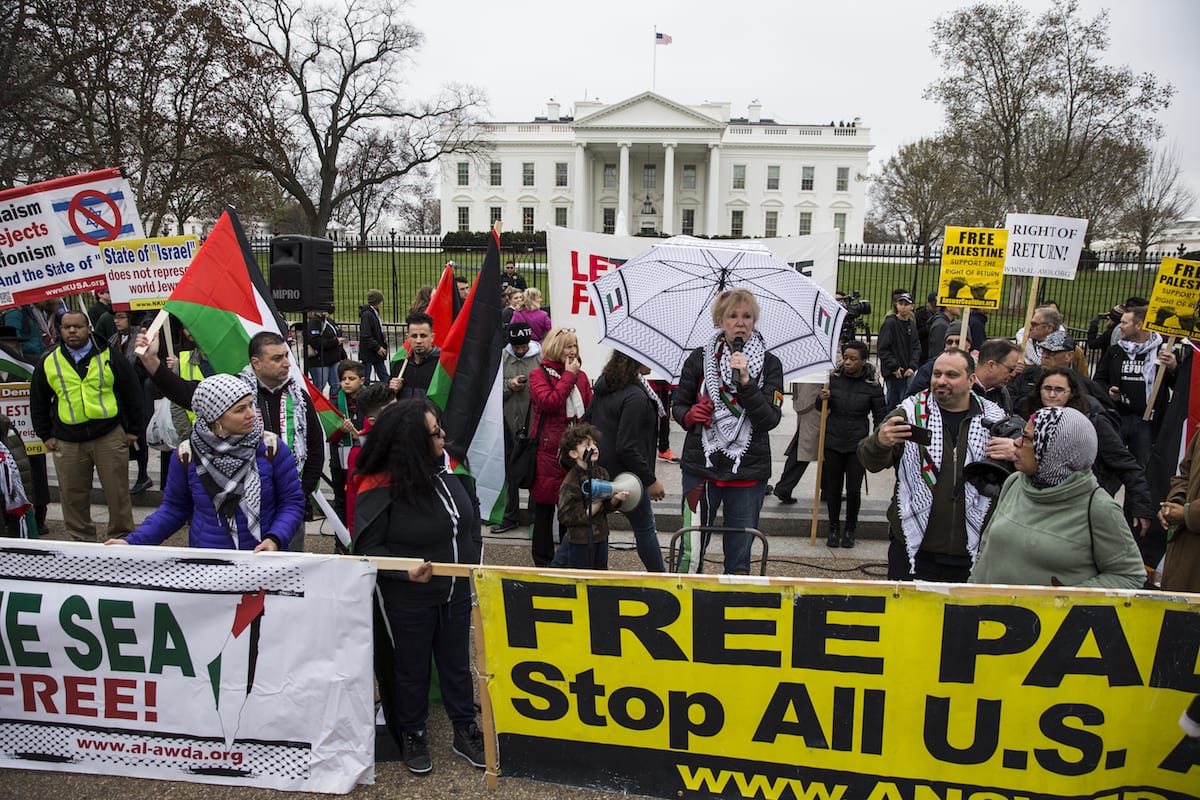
736, 347
589, 455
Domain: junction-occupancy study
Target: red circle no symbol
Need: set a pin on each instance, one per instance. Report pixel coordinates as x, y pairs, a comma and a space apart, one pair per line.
79, 207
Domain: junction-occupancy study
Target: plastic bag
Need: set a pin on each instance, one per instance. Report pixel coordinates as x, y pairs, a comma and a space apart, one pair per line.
161, 433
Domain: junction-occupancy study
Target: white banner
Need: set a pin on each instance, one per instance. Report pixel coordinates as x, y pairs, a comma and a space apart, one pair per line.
200, 665
1043, 246
50, 234
575, 258
142, 273
14, 404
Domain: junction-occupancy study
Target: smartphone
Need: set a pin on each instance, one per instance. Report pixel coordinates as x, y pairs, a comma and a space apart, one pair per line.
921, 436
522, 379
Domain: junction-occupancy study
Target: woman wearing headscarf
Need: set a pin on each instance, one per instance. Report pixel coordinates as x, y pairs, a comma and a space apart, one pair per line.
729, 399
1115, 466
234, 486
409, 505
627, 410
1053, 524
560, 392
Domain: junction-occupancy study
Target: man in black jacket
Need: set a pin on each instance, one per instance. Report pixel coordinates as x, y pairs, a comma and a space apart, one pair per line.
85, 403
372, 344
411, 375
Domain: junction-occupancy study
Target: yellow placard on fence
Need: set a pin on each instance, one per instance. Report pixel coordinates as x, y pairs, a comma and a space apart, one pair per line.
972, 267
1175, 301
681, 686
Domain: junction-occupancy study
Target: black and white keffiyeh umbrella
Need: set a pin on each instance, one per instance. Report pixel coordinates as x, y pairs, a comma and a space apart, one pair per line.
657, 307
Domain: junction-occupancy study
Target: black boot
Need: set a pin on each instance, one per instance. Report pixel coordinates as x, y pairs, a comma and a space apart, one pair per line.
848, 536
835, 534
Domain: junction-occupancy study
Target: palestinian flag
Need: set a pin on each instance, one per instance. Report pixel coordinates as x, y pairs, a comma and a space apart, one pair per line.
223, 299
441, 308
327, 413
17, 369
467, 385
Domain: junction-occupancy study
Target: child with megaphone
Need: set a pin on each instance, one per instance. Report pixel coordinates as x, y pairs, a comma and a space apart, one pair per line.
585, 500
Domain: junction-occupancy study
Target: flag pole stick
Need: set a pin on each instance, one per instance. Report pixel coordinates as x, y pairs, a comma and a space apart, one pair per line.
1033, 290
1158, 379
964, 334
159, 320
820, 463
654, 60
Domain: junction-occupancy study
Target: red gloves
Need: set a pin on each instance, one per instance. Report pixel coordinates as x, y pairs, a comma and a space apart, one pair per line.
699, 414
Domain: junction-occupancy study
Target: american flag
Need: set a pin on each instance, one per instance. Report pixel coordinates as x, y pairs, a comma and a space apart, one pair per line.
661, 38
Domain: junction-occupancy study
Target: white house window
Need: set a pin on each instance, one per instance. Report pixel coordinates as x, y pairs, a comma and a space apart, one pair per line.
739, 176
527, 219
495, 214
610, 176
464, 218
496, 173
560, 217
560, 173
839, 222
771, 224
610, 220
689, 222
527, 173
806, 178
772, 177
464, 173
650, 176
805, 223
736, 222
843, 179
688, 179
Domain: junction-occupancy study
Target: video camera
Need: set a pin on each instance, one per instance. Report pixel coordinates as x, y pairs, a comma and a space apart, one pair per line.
988, 475
855, 305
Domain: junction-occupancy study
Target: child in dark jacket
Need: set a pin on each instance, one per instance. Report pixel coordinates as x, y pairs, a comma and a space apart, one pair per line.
351, 375
583, 522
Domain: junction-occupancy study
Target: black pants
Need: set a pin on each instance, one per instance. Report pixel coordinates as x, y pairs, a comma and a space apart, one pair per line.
544, 517
930, 566
793, 470
843, 469
441, 632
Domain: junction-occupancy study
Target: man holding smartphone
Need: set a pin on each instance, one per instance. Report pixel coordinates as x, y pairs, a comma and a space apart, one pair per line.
936, 519
521, 356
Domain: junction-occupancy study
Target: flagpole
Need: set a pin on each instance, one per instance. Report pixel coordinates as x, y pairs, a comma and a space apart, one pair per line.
654, 68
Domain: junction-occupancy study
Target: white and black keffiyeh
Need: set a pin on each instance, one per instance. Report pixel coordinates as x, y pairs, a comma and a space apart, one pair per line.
919, 469
654, 398
227, 465
293, 428
16, 502
1135, 350
1064, 442
730, 431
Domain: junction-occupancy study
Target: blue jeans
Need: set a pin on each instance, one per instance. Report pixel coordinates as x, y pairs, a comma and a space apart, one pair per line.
641, 519
742, 506
324, 378
897, 390
577, 555
379, 368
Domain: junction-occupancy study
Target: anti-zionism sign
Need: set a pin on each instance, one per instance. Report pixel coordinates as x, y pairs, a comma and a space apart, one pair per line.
685, 687
212, 666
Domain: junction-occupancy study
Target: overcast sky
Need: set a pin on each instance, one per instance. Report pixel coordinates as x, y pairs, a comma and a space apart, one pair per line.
805, 62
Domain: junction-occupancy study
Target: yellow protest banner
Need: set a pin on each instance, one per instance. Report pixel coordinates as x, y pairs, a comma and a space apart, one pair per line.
1174, 308
682, 686
972, 267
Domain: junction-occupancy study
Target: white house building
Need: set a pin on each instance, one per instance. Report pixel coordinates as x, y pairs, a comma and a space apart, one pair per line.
649, 164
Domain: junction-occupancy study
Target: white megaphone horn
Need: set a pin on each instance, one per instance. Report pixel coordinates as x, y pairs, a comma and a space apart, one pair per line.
596, 489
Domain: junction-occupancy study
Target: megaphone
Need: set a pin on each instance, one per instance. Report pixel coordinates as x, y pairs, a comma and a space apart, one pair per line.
596, 489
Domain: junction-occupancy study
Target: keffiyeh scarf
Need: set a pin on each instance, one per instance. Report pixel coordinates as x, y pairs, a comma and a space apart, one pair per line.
227, 465
15, 501
1136, 350
730, 431
654, 398
919, 468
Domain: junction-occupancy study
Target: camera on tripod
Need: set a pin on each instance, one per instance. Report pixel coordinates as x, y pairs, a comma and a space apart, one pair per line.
856, 306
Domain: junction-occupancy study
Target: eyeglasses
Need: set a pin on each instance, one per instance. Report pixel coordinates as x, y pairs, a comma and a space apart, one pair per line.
1056, 390
1011, 369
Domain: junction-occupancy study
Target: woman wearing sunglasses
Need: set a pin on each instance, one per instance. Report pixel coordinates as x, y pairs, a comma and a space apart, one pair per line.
1115, 466
1053, 525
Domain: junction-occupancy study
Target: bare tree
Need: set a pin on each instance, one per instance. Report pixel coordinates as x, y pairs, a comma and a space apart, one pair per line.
1159, 200
916, 192
365, 206
340, 79
1034, 109
420, 210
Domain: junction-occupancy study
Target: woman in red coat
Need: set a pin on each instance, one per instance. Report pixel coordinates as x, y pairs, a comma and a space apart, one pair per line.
560, 393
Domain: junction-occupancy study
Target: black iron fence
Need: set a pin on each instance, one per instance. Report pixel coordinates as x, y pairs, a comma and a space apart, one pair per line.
399, 265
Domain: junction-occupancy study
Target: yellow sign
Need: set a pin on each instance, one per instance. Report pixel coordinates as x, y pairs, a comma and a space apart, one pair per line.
1175, 302
681, 686
972, 267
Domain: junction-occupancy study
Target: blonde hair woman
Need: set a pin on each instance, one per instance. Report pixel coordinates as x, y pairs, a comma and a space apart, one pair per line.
531, 312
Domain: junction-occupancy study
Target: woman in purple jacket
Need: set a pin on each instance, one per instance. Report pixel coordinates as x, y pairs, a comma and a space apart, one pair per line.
238, 489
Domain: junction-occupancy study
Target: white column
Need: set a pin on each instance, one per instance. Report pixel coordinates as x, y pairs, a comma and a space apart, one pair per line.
714, 185
623, 190
668, 207
583, 201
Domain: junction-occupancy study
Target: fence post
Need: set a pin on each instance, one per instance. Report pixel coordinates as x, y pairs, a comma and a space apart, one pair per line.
395, 278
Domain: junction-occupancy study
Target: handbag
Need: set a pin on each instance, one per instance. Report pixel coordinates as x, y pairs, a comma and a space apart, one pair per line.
522, 466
